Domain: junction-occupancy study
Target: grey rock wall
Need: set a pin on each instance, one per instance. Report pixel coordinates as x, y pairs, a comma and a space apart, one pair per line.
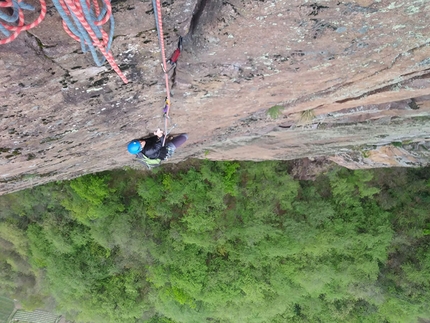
257, 80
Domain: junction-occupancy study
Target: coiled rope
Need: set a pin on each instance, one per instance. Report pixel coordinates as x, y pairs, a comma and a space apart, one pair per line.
15, 22
83, 21
159, 24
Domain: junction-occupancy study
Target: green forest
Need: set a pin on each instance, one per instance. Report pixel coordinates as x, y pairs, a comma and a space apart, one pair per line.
222, 242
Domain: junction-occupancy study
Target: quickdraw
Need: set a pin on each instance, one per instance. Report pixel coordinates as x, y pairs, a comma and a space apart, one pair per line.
173, 60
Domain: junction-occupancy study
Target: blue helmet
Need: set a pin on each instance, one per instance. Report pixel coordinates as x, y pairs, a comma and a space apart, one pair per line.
134, 147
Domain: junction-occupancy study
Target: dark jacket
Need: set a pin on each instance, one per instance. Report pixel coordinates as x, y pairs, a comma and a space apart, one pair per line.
154, 148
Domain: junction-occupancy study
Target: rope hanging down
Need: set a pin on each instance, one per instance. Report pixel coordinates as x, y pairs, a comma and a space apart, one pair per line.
82, 20
85, 26
15, 21
159, 23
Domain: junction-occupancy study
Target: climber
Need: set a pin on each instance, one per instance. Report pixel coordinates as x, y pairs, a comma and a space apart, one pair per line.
175, 56
151, 150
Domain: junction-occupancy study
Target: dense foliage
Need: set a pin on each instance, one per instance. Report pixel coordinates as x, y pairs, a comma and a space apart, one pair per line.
222, 242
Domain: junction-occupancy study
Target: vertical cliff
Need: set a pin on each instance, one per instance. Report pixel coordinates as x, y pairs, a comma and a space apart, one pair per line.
257, 80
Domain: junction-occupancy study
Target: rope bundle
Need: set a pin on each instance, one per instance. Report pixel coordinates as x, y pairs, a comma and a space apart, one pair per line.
83, 21
15, 21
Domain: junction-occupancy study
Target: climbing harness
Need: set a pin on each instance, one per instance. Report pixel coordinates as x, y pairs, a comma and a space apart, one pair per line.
148, 162
15, 21
152, 163
83, 20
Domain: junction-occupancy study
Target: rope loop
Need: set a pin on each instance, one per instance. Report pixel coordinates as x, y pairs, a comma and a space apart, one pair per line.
83, 20
15, 21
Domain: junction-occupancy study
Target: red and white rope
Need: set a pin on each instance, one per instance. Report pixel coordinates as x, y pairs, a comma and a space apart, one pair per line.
20, 23
75, 7
164, 64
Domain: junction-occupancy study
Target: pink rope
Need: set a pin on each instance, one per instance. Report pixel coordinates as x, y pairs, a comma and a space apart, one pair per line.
164, 64
21, 27
76, 8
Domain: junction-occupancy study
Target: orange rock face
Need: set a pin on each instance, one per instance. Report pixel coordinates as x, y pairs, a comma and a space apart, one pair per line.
256, 80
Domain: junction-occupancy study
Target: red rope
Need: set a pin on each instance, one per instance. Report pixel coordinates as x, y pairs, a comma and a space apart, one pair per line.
164, 64
76, 8
21, 27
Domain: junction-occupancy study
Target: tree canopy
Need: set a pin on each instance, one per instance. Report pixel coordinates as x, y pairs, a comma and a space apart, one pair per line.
222, 242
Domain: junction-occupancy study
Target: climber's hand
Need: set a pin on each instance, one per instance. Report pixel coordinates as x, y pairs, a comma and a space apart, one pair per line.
158, 133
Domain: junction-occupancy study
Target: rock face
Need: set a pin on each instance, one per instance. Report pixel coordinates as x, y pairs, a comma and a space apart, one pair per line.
256, 80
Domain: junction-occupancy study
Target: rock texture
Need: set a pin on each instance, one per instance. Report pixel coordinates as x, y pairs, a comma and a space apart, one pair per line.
257, 80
